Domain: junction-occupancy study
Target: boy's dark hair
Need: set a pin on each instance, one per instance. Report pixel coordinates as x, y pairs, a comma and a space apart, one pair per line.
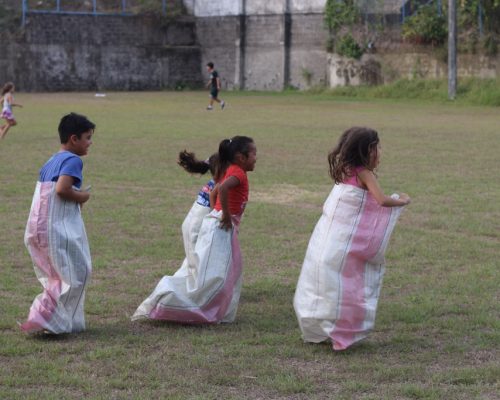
74, 124
191, 164
228, 149
7, 87
353, 150
210, 64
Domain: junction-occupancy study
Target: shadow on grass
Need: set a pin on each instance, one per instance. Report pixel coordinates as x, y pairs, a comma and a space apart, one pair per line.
45, 336
359, 348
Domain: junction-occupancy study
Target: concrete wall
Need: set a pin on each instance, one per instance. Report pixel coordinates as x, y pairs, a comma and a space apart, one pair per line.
224, 8
219, 8
307, 54
271, 51
310, 6
255, 45
265, 52
425, 64
219, 40
61, 52
380, 68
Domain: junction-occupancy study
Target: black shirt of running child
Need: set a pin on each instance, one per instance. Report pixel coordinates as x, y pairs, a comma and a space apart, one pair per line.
213, 76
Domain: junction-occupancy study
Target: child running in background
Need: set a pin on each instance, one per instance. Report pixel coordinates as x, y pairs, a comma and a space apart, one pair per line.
211, 292
200, 209
55, 235
214, 85
7, 100
339, 285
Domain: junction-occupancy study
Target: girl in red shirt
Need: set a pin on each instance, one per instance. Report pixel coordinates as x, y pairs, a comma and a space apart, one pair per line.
210, 293
236, 157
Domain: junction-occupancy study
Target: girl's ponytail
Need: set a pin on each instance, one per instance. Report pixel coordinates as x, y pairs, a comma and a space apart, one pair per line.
191, 164
225, 158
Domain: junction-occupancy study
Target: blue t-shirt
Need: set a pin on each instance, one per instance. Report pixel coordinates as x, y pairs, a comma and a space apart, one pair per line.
62, 163
204, 194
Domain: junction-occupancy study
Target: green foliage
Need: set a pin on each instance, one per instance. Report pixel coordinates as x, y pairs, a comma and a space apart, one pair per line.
468, 14
490, 45
425, 27
348, 47
480, 91
339, 13
485, 92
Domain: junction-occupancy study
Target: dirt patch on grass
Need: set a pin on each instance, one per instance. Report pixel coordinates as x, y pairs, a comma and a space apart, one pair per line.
281, 194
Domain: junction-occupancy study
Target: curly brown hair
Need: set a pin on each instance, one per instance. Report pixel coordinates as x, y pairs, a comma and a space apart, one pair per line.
353, 150
7, 87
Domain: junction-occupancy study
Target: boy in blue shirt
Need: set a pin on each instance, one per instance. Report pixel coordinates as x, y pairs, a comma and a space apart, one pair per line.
214, 85
55, 235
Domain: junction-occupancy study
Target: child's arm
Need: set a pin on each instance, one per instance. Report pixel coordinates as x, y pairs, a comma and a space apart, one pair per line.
368, 178
213, 195
64, 188
231, 182
218, 83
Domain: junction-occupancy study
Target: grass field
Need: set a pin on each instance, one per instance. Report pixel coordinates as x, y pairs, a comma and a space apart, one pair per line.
437, 329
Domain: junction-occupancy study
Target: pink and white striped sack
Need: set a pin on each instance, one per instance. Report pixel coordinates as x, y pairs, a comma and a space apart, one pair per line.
57, 242
339, 285
208, 291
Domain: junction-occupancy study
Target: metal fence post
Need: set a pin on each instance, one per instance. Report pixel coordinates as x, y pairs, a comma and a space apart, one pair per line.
58, 5
164, 7
124, 6
94, 6
23, 18
480, 17
452, 49
403, 11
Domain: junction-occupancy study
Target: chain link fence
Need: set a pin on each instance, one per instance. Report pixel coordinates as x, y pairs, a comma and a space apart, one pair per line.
94, 7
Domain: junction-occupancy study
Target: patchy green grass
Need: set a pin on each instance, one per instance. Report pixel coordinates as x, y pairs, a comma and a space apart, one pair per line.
472, 91
437, 329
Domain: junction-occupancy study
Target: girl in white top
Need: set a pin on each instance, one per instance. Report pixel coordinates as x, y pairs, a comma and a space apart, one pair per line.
8, 102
